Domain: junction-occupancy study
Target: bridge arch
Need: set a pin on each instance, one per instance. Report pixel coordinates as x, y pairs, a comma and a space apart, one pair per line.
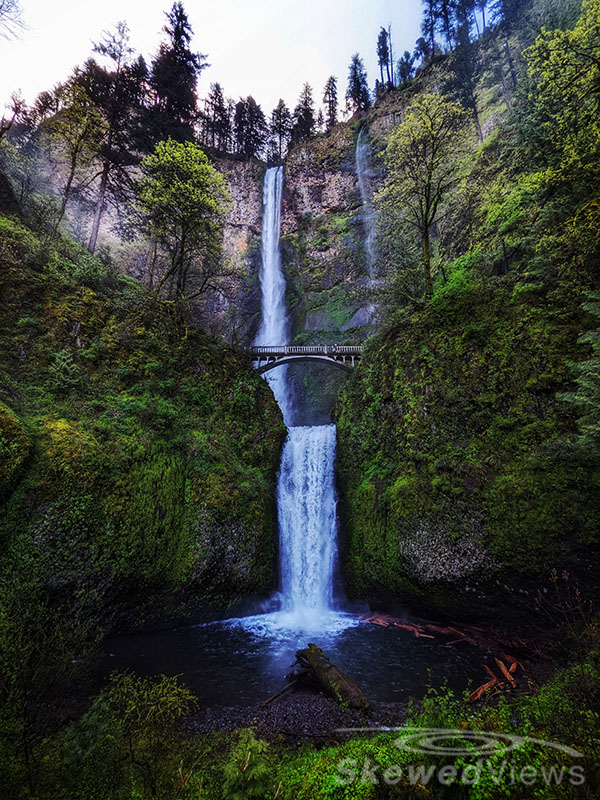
265, 358
280, 362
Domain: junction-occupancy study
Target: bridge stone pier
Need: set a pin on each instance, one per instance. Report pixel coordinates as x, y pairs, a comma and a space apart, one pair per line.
269, 357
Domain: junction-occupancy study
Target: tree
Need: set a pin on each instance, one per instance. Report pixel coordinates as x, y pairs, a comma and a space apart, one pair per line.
357, 93
422, 156
481, 6
217, 120
117, 93
304, 116
587, 395
445, 18
186, 201
465, 68
174, 77
77, 129
281, 127
506, 12
11, 21
250, 128
428, 28
320, 124
330, 99
383, 56
405, 68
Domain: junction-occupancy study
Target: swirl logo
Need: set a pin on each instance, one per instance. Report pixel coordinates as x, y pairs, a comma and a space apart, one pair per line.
457, 742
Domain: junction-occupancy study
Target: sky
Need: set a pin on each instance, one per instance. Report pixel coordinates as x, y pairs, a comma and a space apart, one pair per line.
267, 48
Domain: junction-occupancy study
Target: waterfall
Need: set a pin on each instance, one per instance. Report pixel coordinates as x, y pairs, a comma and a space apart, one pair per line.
274, 326
306, 498
363, 172
307, 519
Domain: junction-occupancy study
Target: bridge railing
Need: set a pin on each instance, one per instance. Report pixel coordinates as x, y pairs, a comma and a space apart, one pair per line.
292, 350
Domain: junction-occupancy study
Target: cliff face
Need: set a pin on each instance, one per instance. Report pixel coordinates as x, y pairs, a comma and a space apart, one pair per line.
137, 454
234, 311
453, 451
322, 239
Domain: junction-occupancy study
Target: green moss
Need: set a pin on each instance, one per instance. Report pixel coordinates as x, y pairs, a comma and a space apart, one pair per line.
452, 424
14, 448
154, 447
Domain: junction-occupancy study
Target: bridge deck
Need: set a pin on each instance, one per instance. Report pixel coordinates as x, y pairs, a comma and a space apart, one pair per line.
331, 350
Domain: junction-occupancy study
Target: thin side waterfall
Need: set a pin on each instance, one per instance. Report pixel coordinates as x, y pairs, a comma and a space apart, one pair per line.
363, 172
306, 498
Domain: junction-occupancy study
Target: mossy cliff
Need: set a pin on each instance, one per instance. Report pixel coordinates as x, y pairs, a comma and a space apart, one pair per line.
322, 238
138, 454
453, 449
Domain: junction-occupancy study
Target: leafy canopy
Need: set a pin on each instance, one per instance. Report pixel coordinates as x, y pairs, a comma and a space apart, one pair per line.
186, 201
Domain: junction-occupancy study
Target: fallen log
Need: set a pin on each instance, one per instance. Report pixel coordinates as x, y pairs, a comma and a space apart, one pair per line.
280, 693
318, 670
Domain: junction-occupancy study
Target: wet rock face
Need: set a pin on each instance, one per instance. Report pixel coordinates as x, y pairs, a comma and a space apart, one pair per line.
234, 311
322, 235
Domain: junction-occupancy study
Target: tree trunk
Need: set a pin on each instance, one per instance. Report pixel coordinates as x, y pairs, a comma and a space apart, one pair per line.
511, 63
427, 262
391, 55
99, 207
65, 200
330, 679
477, 123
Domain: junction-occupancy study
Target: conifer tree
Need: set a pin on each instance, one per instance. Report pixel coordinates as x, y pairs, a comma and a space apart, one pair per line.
428, 27
304, 116
250, 128
587, 395
217, 120
330, 99
405, 68
383, 56
117, 93
174, 78
357, 93
281, 128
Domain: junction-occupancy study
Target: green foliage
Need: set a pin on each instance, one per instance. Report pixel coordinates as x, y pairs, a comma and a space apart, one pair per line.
247, 772
450, 428
186, 201
14, 448
587, 396
150, 523
65, 375
127, 744
423, 157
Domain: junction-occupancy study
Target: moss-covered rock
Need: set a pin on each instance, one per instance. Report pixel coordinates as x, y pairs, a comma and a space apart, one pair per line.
154, 447
14, 448
453, 447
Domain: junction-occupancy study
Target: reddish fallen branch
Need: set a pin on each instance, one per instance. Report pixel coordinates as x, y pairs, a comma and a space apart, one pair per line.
472, 635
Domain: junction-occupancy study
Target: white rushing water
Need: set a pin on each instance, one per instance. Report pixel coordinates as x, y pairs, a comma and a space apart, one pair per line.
274, 327
307, 520
363, 173
306, 497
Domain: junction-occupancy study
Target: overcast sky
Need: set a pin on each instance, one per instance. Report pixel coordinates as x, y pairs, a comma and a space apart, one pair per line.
267, 48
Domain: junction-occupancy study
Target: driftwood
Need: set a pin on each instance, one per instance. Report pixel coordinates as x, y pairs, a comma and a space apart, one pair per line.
320, 673
280, 693
472, 635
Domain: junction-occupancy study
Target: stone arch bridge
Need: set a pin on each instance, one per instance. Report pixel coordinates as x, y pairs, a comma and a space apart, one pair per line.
269, 357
